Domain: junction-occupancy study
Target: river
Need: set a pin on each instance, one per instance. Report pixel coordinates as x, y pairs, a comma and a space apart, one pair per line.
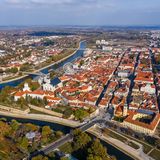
110, 149
54, 81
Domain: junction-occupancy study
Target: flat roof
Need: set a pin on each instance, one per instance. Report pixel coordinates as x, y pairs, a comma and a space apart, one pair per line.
145, 111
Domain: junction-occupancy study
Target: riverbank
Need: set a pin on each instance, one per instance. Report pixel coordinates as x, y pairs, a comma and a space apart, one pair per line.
61, 60
43, 68
136, 154
42, 117
96, 134
111, 149
13, 79
24, 138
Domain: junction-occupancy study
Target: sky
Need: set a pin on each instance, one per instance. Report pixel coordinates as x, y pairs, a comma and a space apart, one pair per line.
79, 12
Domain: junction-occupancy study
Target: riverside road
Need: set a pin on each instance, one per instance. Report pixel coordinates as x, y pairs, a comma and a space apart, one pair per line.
101, 118
67, 138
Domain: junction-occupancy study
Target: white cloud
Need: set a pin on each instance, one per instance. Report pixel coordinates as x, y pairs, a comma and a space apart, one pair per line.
40, 1
57, 2
35, 3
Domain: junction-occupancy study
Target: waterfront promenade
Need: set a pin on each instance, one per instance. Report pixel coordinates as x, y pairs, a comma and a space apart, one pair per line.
67, 138
42, 117
45, 67
136, 154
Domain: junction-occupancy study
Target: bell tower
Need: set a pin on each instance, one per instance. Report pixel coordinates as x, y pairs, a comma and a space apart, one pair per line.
125, 110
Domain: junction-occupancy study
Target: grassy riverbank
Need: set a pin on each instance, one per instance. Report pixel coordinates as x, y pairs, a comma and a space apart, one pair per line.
15, 144
65, 55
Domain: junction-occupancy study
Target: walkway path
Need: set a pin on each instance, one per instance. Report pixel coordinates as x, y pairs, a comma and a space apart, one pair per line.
132, 80
108, 82
69, 137
39, 70
42, 117
135, 153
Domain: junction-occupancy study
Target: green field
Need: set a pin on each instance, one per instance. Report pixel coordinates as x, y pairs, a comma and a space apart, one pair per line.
114, 135
133, 145
32, 111
121, 138
146, 147
155, 154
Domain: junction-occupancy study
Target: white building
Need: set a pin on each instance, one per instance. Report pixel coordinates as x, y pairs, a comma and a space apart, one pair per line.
148, 88
26, 87
101, 42
124, 73
48, 87
107, 48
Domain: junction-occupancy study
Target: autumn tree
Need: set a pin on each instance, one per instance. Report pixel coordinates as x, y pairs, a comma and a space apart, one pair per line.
80, 139
39, 157
97, 151
46, 134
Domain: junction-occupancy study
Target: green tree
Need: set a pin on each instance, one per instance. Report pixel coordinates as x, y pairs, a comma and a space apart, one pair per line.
34, 85
97, 151
14, 70
80, 114
46, 131
46, 134
59, 134
37, 101
81, 62
14, 125
39, 157
22, 102
31, 127
24, 143
64, 158
25, 67
80, 139
93, 157
66, 148
67, 113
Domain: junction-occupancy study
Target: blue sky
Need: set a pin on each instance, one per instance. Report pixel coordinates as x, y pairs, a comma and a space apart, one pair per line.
80, 12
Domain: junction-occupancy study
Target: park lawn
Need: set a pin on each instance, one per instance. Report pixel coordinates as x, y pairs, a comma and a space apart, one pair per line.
146, 147
121, 138
32, 111
133, 145
114, 135
155, 154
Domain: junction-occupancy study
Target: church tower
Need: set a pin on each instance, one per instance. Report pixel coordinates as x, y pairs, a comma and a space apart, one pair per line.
26, 87
125, 110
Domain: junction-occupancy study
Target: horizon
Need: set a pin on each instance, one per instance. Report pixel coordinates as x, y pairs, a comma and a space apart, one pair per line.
79, 13
82, 26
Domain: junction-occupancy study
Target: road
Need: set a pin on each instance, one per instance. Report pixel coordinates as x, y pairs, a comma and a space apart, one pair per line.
153, 62
67, 138
132, 80
42, 117
124, 147
108, 82
102, 118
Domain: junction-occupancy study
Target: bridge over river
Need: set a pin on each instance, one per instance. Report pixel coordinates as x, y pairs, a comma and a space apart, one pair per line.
67, 138
101, 118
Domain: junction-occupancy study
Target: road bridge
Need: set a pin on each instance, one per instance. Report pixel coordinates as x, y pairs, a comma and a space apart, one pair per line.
34, 73
67, 138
